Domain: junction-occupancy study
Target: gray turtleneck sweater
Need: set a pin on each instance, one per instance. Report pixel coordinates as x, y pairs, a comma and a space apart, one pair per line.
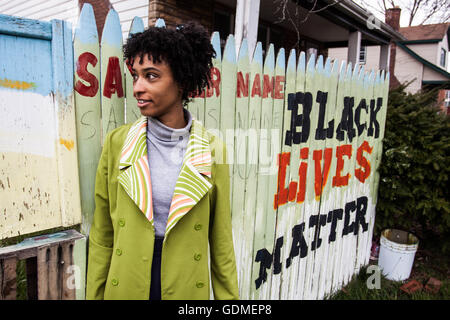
166, 148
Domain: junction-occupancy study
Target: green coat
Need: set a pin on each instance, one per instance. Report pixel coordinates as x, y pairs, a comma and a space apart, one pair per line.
122, 235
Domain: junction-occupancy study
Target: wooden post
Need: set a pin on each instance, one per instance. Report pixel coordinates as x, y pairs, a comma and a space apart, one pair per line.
354, 47
42, 272
66, 262
8, 283
246, 23
385, 52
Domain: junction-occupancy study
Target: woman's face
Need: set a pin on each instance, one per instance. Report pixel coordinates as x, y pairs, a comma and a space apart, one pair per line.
157, 93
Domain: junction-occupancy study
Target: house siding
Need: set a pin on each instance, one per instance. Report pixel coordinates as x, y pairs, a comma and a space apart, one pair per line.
68, 10
443, 44
372, 56
428, 51
408, 69
45, 10
127, 10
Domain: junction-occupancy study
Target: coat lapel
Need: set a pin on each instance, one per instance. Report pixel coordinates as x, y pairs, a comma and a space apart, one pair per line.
135, 170
191, 184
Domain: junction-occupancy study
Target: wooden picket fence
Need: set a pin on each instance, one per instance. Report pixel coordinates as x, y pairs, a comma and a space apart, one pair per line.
304, 142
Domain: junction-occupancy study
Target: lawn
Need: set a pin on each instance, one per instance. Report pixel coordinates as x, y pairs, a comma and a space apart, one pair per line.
429, 262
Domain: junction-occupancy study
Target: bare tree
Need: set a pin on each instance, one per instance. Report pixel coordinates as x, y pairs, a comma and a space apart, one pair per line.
419, 11
298, 17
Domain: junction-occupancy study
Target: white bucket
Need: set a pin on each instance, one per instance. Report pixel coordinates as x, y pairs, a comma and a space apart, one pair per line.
397, 251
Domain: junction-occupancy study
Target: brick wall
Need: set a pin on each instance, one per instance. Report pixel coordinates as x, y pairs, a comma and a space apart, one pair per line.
441, 101
181, 11
101, 9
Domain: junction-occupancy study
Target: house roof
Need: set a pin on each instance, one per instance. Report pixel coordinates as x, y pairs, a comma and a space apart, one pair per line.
423, 61
425, 32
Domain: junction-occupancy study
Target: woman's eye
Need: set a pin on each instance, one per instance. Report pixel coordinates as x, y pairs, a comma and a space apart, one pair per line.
135, 77
150, 76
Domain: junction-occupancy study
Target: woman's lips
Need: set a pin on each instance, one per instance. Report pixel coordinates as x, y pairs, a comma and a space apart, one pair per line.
142, 103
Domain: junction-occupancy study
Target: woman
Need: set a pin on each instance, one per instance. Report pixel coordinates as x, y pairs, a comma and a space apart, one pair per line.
162, 188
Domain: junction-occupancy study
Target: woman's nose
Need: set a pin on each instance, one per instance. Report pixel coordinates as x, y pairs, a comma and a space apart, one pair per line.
138, 86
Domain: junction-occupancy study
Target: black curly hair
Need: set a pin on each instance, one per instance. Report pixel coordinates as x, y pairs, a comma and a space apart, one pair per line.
187, 50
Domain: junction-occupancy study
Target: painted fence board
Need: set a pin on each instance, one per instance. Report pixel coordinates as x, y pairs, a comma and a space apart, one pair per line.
87, 101
213, 94
327, 199
66, 149
277, 93
39, 172
228, 91
252, 174
132, 112
240, 153
298, 161
111, 70
28, 28
286, 213
266, 171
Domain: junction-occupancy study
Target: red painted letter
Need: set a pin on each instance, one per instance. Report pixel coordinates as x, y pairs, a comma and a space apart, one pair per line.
362, 175
215, 83
242, 85
113, 80
338, 179
267, 86
302, 170
320, 179
82, 72
256, 88
278, 94
282, 195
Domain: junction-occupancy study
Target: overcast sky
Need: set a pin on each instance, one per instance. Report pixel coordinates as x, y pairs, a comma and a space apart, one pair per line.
375, 7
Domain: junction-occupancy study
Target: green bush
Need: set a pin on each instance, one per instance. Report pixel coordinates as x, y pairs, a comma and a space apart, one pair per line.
414, 187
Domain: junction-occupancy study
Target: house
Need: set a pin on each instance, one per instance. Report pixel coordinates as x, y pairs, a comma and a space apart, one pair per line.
308, 26
420, 60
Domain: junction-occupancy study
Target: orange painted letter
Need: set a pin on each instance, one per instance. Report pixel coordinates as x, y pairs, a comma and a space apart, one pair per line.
361, 174
341, 151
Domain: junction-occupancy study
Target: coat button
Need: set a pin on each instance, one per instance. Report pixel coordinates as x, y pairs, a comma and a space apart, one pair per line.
198, 227
119, 252
197, 256
144, 259
200, 284
168, 291
121, 222
114, 282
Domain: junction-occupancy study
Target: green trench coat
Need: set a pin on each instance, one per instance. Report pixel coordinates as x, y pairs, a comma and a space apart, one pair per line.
121, 238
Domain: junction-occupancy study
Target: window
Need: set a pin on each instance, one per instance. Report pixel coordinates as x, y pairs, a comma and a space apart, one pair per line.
262, 37
447, 99
223, 22
362, 55
269, 34
443, 57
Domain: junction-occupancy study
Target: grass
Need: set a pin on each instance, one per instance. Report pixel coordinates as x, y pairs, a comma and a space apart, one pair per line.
428, 262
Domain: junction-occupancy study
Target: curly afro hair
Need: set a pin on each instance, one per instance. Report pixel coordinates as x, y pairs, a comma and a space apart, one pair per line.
187, 50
